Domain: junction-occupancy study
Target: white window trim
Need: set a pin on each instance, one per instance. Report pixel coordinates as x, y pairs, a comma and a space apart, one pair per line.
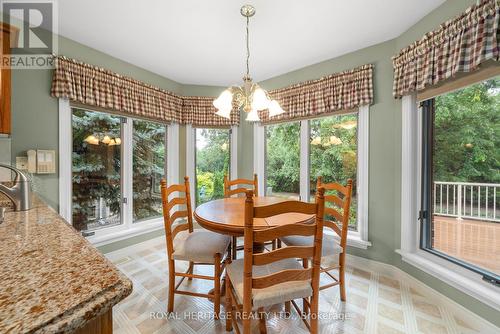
190, 157
65, 163
456, 276
357, 238
259, 156
127, 229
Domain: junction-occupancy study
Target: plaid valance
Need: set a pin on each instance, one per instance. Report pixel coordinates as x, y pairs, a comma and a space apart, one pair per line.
200, 111
458, 45
99, 87
94, 86
340, 91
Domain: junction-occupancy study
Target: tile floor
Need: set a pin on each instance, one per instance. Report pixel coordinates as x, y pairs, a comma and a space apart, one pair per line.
375, 303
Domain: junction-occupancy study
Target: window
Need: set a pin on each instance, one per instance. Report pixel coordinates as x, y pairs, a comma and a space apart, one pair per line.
289, 157
116, 167
333, 154
149, 158
283, 160
461, 177
212, 162
96, 170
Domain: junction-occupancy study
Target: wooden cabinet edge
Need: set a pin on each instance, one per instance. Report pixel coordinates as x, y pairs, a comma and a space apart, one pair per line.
102, 324
8, 36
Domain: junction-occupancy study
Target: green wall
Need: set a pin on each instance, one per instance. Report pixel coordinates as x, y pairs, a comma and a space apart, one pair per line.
35, 126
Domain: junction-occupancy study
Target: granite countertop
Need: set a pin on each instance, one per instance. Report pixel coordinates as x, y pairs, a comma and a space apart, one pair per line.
51, 278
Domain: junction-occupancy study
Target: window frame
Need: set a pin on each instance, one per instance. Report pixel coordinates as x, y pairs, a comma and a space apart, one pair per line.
452, 274
357, 238
191, 156
127, 228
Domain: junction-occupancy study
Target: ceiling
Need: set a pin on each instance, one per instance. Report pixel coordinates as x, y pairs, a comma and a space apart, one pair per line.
203, 42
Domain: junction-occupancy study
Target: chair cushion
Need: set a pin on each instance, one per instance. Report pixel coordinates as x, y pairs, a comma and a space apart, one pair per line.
330, 247
199, 246
275, 294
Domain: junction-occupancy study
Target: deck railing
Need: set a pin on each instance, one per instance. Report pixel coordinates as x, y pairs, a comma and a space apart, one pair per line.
467, 200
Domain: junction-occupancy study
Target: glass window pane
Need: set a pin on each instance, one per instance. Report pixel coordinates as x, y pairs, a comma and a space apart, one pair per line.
212, 163
466, 175
96, 169
333, 154
148, 168
283, 160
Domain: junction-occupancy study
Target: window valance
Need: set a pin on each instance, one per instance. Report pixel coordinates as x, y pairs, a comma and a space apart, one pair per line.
458, 45
337, 92
94, 86
200, 111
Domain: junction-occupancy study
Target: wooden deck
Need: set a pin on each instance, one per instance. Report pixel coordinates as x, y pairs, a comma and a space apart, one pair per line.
474, 241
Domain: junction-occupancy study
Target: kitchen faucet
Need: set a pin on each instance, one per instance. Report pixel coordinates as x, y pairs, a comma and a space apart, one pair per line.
20, 192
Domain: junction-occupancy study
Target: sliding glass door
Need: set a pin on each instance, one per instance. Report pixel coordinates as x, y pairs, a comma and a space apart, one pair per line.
461, 177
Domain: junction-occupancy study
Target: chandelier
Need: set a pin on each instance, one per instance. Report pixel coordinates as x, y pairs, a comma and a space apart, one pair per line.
250, 96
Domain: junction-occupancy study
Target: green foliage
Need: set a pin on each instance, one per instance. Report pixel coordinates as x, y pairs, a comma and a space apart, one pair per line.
283, 157
212, 163
148, 168
335, 157
96, 168
467, 134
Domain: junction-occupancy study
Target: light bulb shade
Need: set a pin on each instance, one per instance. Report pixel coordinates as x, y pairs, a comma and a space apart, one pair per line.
226, 113
260, 101
224, 101
91, 139
106, 140
253, 116
275, 109
118, 141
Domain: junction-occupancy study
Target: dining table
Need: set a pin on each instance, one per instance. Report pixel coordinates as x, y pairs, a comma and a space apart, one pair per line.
227, 216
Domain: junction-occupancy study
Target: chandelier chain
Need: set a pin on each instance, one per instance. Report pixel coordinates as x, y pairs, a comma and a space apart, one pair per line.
248, 49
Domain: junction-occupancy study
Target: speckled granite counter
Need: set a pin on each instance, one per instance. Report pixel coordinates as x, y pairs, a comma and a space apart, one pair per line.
51, 278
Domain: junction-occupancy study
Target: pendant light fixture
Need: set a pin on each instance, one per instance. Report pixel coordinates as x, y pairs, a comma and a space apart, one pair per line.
249, 96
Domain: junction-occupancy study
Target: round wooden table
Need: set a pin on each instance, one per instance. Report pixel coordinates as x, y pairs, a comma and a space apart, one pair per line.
227, 215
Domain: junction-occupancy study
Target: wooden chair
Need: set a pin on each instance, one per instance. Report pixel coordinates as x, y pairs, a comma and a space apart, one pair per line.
275, 277
340, 225
228, 192
199, 247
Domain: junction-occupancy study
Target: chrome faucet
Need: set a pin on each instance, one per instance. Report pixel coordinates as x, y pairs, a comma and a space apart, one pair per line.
20, 192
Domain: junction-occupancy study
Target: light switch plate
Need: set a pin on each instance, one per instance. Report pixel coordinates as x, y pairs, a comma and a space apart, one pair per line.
22, 163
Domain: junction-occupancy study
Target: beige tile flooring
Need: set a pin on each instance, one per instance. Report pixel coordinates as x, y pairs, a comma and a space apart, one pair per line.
375, 303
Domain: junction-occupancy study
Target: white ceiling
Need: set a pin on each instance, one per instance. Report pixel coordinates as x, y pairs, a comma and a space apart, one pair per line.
202, 42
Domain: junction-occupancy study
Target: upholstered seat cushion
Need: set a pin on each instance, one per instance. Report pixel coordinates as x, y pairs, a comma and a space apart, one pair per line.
199, 246
275, 294
330, 244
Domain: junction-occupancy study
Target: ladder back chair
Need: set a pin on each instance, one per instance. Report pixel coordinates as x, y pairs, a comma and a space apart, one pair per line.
229, 192
275, 277
337, 211
197, 246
